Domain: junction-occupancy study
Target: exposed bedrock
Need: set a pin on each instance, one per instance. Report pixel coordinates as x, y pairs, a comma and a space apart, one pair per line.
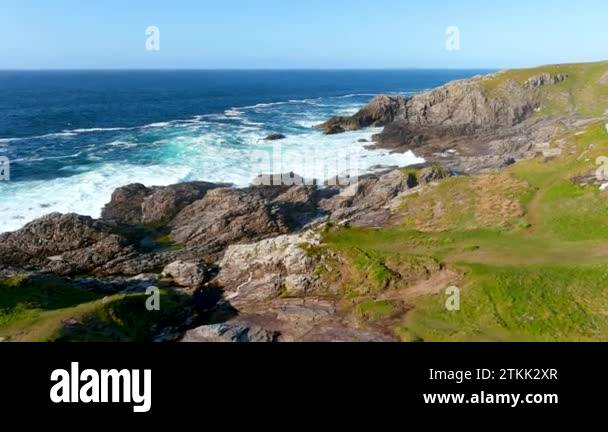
143, 229
256, 251
226, 216
461, 125
379, 112
136, 204
63, 244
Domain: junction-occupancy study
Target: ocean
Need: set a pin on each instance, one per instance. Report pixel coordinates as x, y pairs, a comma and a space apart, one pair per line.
72, 137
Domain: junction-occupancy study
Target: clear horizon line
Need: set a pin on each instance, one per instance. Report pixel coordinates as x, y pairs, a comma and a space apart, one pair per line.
169, 69
353, 68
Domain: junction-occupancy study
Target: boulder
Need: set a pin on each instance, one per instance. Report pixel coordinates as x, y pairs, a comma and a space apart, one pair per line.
228, 216
136, 204
275, 137
166, 202
64, 244
232, 331
251, 273
187, 274
432, 174
125, 204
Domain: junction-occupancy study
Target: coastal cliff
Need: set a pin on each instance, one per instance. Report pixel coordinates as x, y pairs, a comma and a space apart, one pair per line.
484, 123
493, 208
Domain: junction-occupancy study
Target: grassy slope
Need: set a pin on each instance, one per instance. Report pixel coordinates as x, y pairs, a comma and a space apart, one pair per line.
581, 93
54, 310
531, 244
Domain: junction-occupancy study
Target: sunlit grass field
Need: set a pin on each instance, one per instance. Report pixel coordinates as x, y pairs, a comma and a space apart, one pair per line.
531, 245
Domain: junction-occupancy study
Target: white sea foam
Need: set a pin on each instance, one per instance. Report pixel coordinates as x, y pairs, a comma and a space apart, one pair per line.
352, 95
84, 193
309, 123
157, 125
233, 113
274, 104
89, 130
63, 134
210, 157
224, 147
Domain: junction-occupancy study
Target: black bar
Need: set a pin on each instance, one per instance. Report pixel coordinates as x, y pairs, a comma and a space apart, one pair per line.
387, 377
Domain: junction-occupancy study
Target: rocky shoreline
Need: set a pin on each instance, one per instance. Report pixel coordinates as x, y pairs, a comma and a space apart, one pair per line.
251, 257
199, 237
460, 126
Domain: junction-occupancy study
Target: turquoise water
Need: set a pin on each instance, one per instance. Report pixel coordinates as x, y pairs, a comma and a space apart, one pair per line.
73, 137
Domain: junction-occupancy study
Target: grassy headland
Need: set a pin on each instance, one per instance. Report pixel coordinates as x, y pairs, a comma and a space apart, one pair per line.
530, 244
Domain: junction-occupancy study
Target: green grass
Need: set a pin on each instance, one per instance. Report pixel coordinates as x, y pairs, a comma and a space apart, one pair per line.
531, 245
23, 300
542, 276
125, 319
575, 213
532, 303
374, 310
52, 309
581, 93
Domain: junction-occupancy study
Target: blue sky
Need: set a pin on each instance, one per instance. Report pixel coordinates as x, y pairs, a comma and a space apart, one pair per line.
72, 34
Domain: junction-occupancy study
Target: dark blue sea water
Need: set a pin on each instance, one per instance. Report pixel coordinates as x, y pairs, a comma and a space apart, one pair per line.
73, 137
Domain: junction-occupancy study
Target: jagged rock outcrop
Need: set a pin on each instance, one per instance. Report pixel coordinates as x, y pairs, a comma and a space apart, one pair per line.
464, 107
460, 106
166, 202
379, 112
462, 125
202, 230
227, 216
270, 268
544, 79
367, 203
136, 204
187, 274
63, 244
125, 204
